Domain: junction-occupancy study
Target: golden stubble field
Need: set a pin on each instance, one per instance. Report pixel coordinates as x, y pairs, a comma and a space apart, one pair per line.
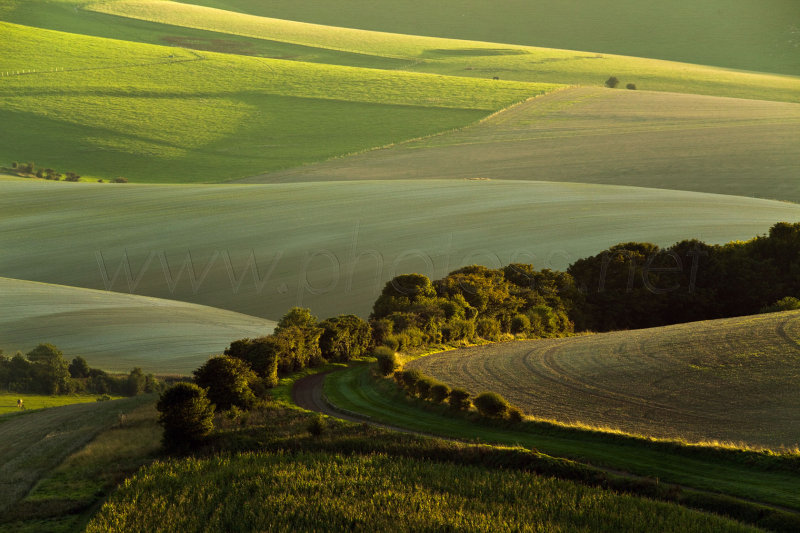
732, 380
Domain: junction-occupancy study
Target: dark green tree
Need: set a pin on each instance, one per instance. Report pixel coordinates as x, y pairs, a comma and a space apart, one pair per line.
344, 337
79, 368
227, 380
187, 416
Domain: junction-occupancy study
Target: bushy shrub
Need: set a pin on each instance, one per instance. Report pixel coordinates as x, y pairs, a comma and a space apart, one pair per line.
488, 328
187, 416
514, 415
423, 387
631, 86
789, 303
344, 337
120, 179
520, 324
612, 82
317, 426
387, 360
491, 404
439, 392
459, 399
410, 378
227, 380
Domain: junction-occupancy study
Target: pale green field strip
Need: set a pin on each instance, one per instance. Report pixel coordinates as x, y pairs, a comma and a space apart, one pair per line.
36, 442
8, 401
117, 332
331, 492
731, 380
593, 135
70, 16
762, 35
106, 108
473, 58
332, 245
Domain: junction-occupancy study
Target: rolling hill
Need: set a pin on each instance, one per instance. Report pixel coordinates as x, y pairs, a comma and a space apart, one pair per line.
117, 332
729, 380
331, 245
108, 108
592, 135
762, 35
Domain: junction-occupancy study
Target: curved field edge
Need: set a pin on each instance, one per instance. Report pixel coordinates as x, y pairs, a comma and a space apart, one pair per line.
722, 380
731, 472
325, 491
262, 249
756, 35
159, 113
116, 331
473, 58
661, 140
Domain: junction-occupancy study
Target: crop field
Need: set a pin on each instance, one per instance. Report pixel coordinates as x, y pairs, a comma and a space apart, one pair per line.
471, 58
116, 332
155, 113
654, 140
43, 439
331, 246
728, 380
284, 492
8, 401
761, 35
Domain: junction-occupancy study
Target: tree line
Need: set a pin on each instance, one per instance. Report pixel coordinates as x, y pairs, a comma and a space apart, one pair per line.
44, 370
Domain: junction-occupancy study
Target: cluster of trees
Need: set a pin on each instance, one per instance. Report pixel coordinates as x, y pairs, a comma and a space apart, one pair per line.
29, 169
473, 302
301, 341
613, 83
638, 285
44, 370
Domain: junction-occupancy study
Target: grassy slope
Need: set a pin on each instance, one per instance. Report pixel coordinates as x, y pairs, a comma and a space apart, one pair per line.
672, 141
321, 244
318, 492
356, 391
729, 380
42, 439
107, 108
473, 58
761, 35
116, 331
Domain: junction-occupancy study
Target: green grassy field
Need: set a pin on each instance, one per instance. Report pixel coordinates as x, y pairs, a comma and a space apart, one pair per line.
331, 246
357, 391
106, 108
747, 34
473, 58
723, 380
8, 401
63, 499
117, 332
283, 492
43, 439
668, 141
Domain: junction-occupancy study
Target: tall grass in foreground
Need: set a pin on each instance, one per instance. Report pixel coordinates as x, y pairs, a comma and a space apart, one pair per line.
321, 492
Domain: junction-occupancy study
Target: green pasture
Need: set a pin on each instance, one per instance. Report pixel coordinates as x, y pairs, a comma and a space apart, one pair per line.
331, 246
761, 35
482, 59
117, 332
667, 141
315, 492
106, 108
357, 391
